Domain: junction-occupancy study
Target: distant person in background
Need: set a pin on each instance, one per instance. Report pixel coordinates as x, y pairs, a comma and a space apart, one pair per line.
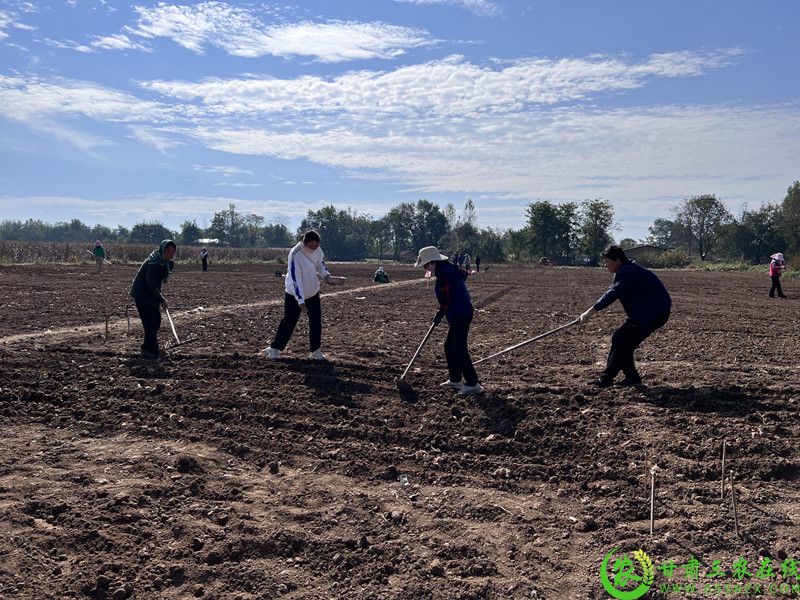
646, 303
146, 292
776, 266
305, 269
477, 264
204, 259
381, 276
467, 262
99, 254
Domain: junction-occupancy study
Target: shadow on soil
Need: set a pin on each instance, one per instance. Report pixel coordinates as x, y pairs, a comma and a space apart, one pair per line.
730, 401
329, 383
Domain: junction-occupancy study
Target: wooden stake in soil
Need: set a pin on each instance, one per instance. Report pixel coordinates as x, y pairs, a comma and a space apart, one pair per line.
722, 487
735, 515
106, 326
652, 500
128, 317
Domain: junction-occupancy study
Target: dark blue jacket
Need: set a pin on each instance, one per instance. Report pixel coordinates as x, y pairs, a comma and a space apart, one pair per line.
641, 293
146, 286
451, 291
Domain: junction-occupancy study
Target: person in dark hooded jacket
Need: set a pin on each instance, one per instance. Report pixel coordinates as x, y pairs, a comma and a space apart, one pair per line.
646, 303
146, 292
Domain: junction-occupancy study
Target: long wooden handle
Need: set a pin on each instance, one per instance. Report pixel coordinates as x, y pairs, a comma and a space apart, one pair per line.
530, 341
422, 343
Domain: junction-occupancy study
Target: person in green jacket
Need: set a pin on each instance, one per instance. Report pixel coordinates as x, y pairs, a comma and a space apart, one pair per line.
146, 292
381, 276
99, 254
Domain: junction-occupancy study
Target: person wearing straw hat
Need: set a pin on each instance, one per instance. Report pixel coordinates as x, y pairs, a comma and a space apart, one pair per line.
776, 266
305, 269
146, 292
456, 305
647, 305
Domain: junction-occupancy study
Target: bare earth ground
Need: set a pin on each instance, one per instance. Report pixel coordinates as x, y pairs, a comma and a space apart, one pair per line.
220, 475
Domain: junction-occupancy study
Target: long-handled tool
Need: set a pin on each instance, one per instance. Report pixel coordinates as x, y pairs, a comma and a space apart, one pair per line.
402, 384
530, 341
171, 324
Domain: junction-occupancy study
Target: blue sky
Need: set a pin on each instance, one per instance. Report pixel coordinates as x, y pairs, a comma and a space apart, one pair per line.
115, 112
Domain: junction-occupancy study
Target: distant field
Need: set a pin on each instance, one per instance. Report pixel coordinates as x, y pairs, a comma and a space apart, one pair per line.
68, 252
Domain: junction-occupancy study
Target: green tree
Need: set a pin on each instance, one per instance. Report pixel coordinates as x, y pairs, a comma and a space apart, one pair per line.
277, 235
150, 233
190, 232
758, 233
429, 225
790, 224
705, 218
551, 230
628, 243
669, 234
594, 227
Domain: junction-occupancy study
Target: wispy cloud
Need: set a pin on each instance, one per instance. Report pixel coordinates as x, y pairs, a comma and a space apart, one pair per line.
9, 20
483, 8
240, 32
516, 133
450, 86
118, 42
224, 170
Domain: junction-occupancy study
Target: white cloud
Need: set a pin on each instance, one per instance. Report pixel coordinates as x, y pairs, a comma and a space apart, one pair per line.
68, 45
224, 170
445, 87
237, 184
515, 135
28, 99
240, 32
118, 42
483, 8
8, 20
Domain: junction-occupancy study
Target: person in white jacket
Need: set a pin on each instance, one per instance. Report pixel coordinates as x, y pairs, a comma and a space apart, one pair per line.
304, 271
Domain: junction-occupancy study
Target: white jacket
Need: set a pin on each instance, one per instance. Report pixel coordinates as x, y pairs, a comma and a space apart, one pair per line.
304, 271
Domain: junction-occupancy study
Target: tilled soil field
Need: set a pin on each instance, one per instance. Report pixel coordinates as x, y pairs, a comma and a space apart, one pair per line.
218, 474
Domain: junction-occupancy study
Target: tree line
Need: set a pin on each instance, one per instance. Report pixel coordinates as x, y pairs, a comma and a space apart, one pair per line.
567, 233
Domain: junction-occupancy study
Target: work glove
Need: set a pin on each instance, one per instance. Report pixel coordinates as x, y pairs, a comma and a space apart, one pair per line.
437, 318
586, 315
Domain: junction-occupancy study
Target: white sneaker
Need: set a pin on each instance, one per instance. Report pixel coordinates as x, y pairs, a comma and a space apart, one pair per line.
272, 353
317, 355
455, 385
472, 390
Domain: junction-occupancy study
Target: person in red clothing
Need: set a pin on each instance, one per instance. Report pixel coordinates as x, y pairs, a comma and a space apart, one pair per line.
456, 305
776, 267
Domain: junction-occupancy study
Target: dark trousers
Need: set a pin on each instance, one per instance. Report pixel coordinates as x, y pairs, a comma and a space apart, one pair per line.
624, 343
150, 314
291, 314
205, 263
459, 363
776, 285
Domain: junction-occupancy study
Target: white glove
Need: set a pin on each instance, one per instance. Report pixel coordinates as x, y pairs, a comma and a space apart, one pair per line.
587, 315
331, 280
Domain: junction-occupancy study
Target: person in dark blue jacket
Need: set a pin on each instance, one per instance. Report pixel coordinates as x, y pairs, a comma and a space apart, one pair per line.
647, 304
456, 305
146, 292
